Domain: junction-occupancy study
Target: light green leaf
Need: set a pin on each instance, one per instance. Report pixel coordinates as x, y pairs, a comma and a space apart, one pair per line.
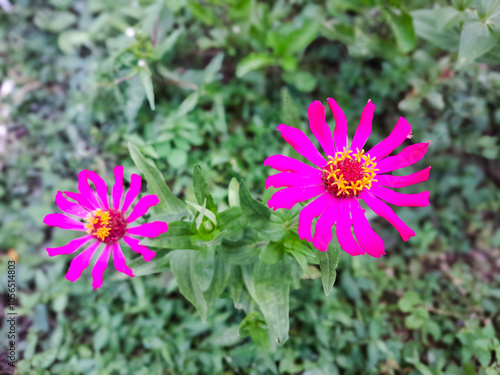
213, 68
408, 301
402, 28
304, 81
233, 193
182, 264
272, 253
252, 62
187, 105
328, 261
299, 39
219, 280
272, 291
156, 184
475, 40
167, 44
427, 26
257, 212
147, 82
254, 326
202, 191
71, 39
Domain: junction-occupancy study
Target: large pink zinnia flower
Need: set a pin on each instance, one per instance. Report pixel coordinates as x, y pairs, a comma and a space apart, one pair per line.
105, 223
344, 178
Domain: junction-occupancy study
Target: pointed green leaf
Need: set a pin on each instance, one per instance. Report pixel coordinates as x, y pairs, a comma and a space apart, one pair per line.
402, 28
328, 261
233, 193
201, 190
475, 40
183, 268
272, 292
254, 326
257, 212
219, 280
253, 61
156, 184
167, 44
147, 82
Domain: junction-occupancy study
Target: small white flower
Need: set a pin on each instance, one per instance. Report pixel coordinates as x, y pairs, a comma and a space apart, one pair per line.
141, 63
236, 29
130, 32
7, 87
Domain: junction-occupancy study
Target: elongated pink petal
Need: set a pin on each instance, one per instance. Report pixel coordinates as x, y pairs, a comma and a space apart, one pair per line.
119, 260
343, 230
63, 221
403, 181
70, 247
408, 156
140, 249
87, 193
302, 144
287, 198
100, 266
149, 230
364, 128
393, 141
81, 200
369, 241
70, 207
81, 262
142, 207
133, 191
309, 212
383, 210
400, 199
323, 231
287, 179
100, 187
118, 187
284, 163
319, 127
340, 132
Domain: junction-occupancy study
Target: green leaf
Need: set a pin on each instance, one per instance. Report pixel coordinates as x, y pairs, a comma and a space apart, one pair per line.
187, 105
290, 115
272, 253
201, 190
408, 301
213, 68
240, 296
182, 264
177, 237
252, 62
475, 40
147, 82
219, 280
257, 212
156, 184
254, 326
167, 44
69, 40
299, 39
427, 26
232, 220
402, 28
418, 318
328, 261
233, 193
304, 81
272, 292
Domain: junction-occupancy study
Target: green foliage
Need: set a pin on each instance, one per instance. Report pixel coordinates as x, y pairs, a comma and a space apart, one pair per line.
160, 87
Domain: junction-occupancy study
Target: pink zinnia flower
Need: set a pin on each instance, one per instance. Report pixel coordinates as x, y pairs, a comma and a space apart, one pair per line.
105, 223
344, 178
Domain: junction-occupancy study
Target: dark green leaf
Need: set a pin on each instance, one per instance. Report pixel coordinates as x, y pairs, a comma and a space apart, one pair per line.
257, 212
328, 261
202, 191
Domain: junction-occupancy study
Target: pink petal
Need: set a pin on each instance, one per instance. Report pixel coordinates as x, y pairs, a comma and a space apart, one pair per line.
119, 260
70, 207
340, 132
403, 181
135, 246
81, 200
367, 238
344, 234
118, 187
87, 194
287, 198
81, 262
383, 210
320, 128
99, 267
364, 128
70, 247
287, 179
287, 164
393, 141
142, 207
408, 156
309, 212
63, 221
149, 230
100, 187
400, 199
133, 191
302, 144
323, 231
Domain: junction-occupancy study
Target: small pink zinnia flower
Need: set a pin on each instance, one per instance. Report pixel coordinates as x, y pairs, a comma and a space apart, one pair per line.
105, 223
345, 177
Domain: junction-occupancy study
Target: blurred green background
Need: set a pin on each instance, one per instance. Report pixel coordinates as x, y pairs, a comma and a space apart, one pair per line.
79, 81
